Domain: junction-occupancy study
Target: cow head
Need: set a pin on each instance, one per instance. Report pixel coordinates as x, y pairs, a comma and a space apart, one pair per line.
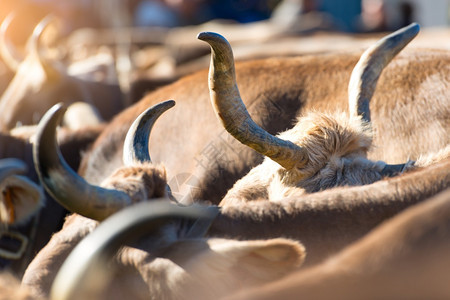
40, 82
20, 198
322, 150
136, 181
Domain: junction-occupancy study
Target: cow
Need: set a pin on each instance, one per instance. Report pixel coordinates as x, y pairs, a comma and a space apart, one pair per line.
406, 257
337, 209
206, 165
40, 82
327, 221
139, 180
187, 267
322, 150
323, 221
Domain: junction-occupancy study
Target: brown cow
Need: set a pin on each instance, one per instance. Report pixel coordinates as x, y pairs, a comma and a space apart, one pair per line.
327, 221
407, 257
41, 82
184, 267
322, 150
139, 180
338, 209
206, 165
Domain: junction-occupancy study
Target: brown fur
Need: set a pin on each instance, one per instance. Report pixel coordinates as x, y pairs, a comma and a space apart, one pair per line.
141, 182
10, 288
411, 92
202, 268
336, 146
50, 219
406, 257
327, 221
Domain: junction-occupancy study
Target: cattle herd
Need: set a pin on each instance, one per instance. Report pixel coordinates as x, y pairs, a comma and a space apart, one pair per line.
287, 174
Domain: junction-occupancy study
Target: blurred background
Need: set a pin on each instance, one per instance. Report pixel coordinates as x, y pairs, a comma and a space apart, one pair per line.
342, 15
155, 39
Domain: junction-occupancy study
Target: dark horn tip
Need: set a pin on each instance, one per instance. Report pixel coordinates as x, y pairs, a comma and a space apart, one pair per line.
414, 28
56, 110
208, 37
409, 31
169, 103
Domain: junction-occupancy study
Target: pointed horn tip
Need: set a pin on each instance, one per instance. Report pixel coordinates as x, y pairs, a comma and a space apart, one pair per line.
47, 20
413, 29
209, 37
406, 33
56, 111
168, 103
162, 106
7, 21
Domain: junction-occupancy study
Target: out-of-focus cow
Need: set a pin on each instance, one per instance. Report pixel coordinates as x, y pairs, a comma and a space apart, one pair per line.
20, 200
322, 150
20, 197
40, 82
411, 92
407, 257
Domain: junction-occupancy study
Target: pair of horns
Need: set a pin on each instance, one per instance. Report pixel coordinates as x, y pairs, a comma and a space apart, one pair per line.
70, 189
231, 111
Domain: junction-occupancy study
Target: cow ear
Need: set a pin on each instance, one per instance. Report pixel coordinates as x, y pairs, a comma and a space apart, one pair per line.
263, 260
20, 199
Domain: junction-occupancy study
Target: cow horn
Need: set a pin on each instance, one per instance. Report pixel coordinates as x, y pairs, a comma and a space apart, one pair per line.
135, 148
230, 109
86, 262
34, 46
9, 166
9, 56
65, 185
365, 75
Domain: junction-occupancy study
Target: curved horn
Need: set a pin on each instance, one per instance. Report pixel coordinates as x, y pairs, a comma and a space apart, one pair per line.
9, 166
34, 42
230, 109
62, 183
86, 262
9, 56
365, 75
135, 148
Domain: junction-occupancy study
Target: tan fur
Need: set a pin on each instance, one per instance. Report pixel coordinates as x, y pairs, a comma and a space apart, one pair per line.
10, 288
327, 221
206, 268
407, 257
337, 148
140, 182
